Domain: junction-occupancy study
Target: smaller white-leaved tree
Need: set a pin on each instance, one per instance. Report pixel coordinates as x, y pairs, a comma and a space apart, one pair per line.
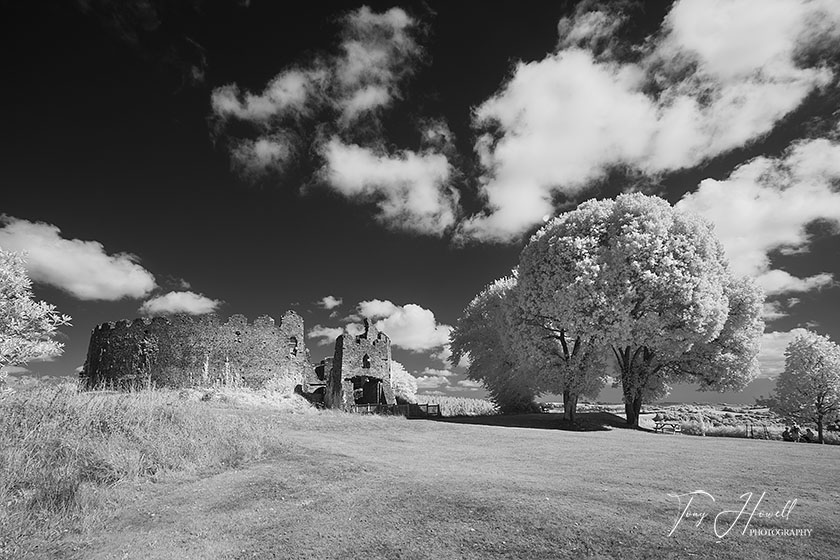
27, 326
808, 390
403, 383
485, 333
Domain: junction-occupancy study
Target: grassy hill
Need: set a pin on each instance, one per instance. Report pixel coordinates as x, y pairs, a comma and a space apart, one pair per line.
329, 485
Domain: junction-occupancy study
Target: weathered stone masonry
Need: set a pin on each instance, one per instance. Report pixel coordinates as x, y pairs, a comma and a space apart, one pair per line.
198, 351
184, 351
361, 370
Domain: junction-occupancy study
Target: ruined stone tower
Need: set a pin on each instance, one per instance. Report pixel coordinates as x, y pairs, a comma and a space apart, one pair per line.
361, 370
184, 351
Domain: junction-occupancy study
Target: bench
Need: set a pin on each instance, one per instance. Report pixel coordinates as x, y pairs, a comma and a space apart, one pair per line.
662, 426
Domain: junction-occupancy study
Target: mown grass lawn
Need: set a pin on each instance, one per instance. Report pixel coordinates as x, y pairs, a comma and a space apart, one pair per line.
393, 488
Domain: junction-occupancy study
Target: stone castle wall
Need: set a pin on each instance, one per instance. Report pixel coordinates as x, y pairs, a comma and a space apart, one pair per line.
361, 370
184, 351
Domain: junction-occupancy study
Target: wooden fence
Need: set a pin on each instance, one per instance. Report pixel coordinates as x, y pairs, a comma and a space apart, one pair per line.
407, 410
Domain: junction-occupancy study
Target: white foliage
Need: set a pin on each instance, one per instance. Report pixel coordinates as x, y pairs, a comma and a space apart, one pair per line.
27, 326
809, 387
403, 383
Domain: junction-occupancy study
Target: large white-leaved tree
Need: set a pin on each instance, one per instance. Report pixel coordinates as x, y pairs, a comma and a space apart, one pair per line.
808, 390
27, 326
651, 284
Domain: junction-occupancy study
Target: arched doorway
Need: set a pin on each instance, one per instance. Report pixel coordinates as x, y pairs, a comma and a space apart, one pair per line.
367, 390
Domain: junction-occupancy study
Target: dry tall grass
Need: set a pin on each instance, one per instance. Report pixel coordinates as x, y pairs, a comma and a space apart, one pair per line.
460, 406
64, 451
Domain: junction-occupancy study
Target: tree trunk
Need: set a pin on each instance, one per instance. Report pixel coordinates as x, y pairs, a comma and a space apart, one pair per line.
632, 408
629, 414
637, 408
569, 406
623, 359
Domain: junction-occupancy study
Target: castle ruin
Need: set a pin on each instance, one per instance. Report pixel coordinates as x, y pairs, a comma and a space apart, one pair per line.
186, 351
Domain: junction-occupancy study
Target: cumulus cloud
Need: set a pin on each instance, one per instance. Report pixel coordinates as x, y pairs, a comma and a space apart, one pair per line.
342, 96
773, 310
470, 385
327, 335
354, 329
410, 189
179, 302
431, 382
409, 326
766, 205
288, 94
446, 353
433, 372
83, 269
772, 355
718, 76
376, 52
257, 158
329, 302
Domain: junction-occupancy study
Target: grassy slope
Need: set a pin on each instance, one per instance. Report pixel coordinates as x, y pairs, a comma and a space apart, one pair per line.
65, 454
353, 487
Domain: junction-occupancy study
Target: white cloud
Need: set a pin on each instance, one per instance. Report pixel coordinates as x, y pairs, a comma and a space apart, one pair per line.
781, 282
365, 99
287, 93
326, 334
433, 372
588, 29
431, 382
446, 353
771, 357
772, 310
179, 302
81, 268
409, 326
255, 158
765, 206
338, 94
409, 188
354, 329
718, 76
376, 53
329, 302
470, 385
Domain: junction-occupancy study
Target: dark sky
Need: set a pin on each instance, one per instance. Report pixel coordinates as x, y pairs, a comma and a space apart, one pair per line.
110, 136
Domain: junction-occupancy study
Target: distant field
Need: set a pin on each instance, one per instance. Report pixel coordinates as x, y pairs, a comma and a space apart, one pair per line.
395, 488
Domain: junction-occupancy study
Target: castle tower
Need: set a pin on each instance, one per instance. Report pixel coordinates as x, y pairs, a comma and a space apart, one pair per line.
183, 351
361, 370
